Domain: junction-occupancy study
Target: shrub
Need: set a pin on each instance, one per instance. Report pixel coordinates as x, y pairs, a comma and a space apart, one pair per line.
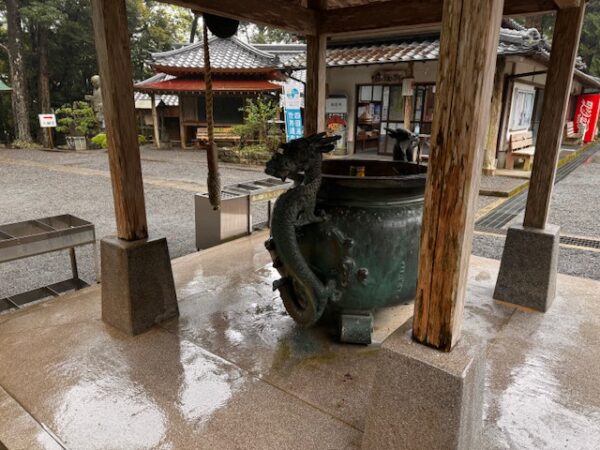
77, 119
101, 140
259, 126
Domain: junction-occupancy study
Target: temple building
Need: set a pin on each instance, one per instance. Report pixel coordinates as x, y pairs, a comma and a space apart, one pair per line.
240, 71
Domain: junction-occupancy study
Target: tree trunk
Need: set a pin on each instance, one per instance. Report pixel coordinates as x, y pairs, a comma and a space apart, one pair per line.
44, 81
20, 97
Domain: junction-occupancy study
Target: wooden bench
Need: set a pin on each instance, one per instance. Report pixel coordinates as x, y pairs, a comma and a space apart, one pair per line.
223, 135
570, 137
520, 146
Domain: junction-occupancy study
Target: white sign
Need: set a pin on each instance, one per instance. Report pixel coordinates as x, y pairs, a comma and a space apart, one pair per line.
47, 120
408, 87
336, 105
293, 99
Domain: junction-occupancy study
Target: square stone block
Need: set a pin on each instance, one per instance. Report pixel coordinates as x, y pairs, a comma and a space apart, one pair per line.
138, 290
423, 398
529, 267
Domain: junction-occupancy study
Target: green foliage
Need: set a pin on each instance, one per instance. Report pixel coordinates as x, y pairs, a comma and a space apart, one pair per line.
256, 155
101, 140
589, 48
259, 126
77, 119
29, 145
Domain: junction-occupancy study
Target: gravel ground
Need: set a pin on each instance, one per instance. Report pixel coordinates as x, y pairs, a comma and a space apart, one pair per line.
575, 207
35, 192
38, 191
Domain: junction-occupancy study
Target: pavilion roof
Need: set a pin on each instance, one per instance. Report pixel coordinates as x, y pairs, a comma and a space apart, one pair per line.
4, 88
226, 56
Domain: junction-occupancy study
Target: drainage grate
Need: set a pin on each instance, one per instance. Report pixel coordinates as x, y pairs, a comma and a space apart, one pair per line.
564, 240
580, 242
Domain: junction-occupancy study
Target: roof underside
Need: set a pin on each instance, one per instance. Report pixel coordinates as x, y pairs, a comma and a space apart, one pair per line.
345, 16
196, 85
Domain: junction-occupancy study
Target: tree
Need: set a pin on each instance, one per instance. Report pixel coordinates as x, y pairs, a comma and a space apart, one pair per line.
44, 17
15, 49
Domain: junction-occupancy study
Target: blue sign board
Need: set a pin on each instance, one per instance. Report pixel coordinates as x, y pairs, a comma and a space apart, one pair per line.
293, 115
293, 124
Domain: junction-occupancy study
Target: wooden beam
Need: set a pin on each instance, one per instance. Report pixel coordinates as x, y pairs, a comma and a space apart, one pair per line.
562, 4
393, 14
114, 60
565, 42
315, 93
281, 14
468, 51
490, 149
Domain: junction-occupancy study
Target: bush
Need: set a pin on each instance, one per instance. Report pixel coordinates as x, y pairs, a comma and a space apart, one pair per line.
25, 144
101, 140
251, 154
258, 126
77, 119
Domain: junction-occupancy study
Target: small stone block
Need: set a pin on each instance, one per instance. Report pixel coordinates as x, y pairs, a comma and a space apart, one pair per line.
138, 290
423, 398
529, 267
356, 328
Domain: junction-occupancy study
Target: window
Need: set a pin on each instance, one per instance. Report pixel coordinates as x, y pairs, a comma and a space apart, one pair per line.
522, 108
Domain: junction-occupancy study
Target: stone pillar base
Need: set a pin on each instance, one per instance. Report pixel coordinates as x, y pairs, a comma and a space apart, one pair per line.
529, 265
138, 290
426, 399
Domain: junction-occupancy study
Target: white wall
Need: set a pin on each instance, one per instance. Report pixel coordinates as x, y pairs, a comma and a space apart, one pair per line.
343, 81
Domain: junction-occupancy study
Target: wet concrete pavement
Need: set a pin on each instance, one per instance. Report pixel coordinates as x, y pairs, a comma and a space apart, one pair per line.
235, 372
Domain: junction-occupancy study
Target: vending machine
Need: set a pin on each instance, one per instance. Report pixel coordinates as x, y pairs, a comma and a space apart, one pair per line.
586, 115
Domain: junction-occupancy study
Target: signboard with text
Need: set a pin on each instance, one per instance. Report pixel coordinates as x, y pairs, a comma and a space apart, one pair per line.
293, 114
47, 120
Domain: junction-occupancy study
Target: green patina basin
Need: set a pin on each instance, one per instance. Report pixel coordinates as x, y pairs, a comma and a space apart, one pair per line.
370, 242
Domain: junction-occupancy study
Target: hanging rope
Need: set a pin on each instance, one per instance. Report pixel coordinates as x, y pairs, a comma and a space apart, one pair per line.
214, 178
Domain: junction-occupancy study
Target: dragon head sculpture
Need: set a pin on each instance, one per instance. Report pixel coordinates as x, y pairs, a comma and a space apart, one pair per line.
299, 155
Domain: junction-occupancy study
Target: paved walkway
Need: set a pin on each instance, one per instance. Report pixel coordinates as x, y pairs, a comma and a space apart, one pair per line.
235, 372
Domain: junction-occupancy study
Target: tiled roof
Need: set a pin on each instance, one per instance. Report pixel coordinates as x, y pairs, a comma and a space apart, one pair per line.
512, 42
168, 100
226, 55
284, 52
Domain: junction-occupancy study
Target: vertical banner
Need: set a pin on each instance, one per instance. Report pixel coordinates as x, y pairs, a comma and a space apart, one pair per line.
586, 115
293, 116
336, 119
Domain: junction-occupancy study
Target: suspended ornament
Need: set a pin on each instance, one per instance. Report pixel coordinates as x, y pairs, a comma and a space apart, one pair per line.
221, 26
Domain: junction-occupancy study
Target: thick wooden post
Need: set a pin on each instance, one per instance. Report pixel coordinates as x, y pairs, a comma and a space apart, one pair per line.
468, 47
155, 121
315, 93
565, 42
114, 60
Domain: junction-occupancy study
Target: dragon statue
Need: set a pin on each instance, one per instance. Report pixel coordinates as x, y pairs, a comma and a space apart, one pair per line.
406, 143
304, 295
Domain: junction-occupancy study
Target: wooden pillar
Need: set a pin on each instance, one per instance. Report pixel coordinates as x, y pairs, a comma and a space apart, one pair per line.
315, 93
182, 128
565, 42
489, 157
114, 60
408, 111
155, 121
468, 47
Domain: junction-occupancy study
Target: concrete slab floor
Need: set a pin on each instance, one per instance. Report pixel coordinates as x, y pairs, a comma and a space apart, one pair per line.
235, 372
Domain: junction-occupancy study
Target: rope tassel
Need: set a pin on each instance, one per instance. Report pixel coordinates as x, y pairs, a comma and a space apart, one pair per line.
214, 178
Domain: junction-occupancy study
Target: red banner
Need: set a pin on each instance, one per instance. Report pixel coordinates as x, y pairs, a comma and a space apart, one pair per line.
586, 115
